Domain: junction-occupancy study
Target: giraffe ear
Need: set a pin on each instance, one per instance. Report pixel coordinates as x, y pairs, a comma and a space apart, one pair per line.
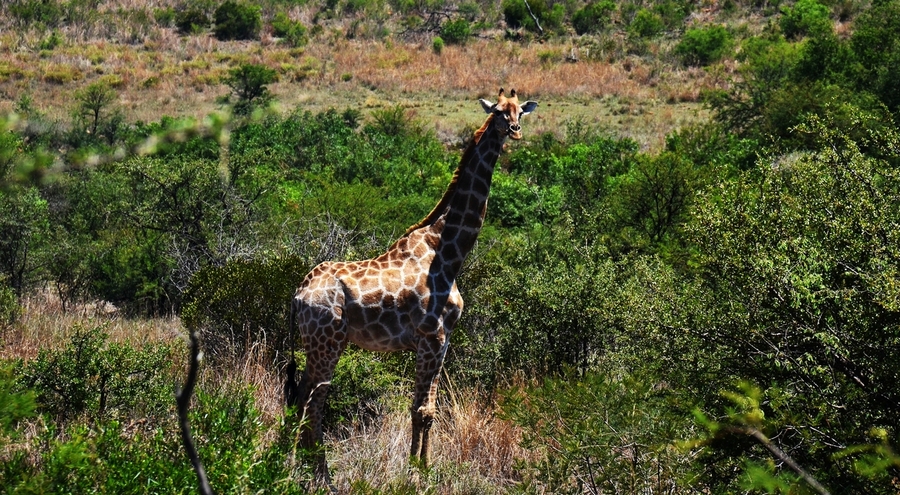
528, 107
486, 105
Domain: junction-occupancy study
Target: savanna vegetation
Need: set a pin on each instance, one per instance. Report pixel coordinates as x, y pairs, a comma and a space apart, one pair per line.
689, 279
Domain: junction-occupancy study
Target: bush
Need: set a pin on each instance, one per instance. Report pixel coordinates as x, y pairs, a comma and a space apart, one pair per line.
164, 16
242, 303
516, 14
456, 32
24, 231
52, 41
878, 61
101, 379
48, 13
774, 248
593, 17
362, 382
249, 83
95, 116
292, 32
646, 24
243, 451
192, 20
237, 21
805, 17
437, 44
609, 435
703, 46
9, 306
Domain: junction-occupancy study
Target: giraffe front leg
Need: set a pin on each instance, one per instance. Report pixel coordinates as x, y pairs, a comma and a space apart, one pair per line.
429, 359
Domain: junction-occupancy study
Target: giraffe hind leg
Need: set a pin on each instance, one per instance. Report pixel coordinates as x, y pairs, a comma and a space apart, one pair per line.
296, 394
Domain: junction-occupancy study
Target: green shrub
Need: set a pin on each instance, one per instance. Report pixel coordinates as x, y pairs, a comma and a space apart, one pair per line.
249, 83
646, 24
593, 17
242, 449
164, 16
101, 379
804, 18
516, 14
878, 61
52, 41
24, 224
192, 20
437, 44
48, 13
94, 114
391, 121
237, 21
363, 381
608, 435
703, 46
778, 241
242, 303
9, 306
469, 10
673, 12
292, 32
456, 32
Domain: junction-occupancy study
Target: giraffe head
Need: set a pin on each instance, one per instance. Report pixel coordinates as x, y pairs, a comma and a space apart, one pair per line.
507, 112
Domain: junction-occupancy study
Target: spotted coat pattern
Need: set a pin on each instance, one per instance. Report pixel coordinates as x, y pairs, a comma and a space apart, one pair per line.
406, 298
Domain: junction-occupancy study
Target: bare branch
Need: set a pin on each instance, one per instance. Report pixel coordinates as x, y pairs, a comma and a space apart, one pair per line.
783, 457
536, 22
183, 399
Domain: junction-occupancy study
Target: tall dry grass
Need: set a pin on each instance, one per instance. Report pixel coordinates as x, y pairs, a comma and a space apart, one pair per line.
473, 451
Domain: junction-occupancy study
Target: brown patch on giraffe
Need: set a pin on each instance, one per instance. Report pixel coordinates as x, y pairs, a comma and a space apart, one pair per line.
371, 298
369, 283
391, 285
411, 280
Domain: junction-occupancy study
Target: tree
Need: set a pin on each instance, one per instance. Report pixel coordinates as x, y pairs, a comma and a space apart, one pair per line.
249, 82
237, 21
802, 257
704, 45
93, 107
24, 228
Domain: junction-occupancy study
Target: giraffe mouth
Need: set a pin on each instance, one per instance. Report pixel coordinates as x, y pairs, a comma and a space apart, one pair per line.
514, 132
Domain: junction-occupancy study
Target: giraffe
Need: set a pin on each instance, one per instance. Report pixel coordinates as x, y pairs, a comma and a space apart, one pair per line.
404, 299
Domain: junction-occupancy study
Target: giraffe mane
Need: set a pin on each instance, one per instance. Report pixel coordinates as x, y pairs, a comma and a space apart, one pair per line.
438, 210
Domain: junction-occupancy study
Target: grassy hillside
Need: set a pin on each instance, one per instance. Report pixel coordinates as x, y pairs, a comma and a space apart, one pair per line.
687, 282
156, 70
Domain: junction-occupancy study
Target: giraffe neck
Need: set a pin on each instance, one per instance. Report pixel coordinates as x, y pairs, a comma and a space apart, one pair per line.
459, 215
467, 205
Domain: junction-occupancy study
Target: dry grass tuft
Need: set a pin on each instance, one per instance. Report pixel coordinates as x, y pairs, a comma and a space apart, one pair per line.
473, 451
45, 325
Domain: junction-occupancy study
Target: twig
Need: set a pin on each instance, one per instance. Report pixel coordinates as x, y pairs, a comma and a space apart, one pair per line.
783, 457
183, 399
540, 29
